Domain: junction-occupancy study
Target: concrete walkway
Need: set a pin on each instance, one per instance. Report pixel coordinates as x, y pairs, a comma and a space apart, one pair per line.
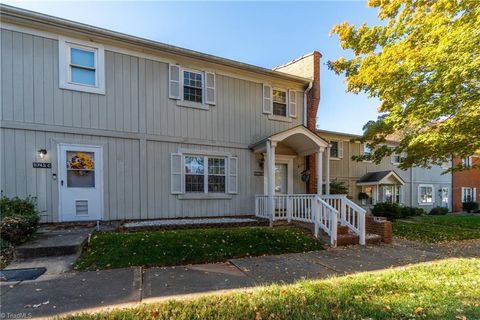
91, 291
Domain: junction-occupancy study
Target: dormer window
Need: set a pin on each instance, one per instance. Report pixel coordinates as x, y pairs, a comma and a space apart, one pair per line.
81, 66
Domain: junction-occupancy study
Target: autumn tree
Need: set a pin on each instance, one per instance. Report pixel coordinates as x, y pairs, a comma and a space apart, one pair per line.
423, 64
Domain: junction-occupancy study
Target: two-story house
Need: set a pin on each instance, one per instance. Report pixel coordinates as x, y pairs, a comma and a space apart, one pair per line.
100, 125
369, 183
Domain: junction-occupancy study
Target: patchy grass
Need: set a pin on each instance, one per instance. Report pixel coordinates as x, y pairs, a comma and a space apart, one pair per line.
433, 229
447, 289
176, 247
461, 221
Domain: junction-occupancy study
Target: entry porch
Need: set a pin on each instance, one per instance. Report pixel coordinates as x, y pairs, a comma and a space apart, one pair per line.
279, 200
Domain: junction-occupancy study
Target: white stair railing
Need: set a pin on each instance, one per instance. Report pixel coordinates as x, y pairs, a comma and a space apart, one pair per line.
308, 208
351, 214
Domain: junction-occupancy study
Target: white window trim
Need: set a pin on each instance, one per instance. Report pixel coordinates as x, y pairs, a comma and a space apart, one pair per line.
363, 145
419, 194
287, 105
393, 161
183, 195
182, 85
64, 69
205, 172
338, 150
472, 193
468, 163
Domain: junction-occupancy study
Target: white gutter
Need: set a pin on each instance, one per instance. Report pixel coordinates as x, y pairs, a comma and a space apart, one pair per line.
310, 85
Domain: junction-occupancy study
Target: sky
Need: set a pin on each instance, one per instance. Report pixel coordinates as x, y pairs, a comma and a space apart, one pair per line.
265, 34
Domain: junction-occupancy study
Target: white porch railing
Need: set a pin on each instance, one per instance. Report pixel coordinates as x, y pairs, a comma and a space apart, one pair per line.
351, 214
324, 212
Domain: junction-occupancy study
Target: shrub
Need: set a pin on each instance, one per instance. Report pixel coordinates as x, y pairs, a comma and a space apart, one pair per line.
438, 211
391, 211
6, 253
470, 206
412, 212
18, 220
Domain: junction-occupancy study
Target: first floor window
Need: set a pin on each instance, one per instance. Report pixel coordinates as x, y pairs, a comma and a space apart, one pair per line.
280, 103
192, 86
216, 175
467, 195
194, 174
425, 194
391, 194
204, 174
369, 192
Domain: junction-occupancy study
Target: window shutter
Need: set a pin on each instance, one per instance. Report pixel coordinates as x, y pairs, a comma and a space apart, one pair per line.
174, 81
340, 149
176, 173
210, 84
267, 99
474, 196
233, 175
292, 95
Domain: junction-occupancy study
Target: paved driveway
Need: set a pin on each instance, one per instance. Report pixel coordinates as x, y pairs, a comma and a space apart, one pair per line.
87, 291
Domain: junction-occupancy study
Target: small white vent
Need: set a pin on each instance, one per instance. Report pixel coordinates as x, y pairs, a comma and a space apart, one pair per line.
81, 207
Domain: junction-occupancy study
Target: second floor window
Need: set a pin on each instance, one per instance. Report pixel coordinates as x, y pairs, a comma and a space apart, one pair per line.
467, 162
81, 66
334, 149
279, 103
192, 86
366, 150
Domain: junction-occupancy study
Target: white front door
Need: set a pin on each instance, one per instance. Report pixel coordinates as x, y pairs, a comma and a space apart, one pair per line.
281, 178
80, 182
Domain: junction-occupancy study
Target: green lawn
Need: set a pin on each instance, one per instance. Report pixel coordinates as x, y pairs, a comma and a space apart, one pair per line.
447, 289
176, 247
438, 228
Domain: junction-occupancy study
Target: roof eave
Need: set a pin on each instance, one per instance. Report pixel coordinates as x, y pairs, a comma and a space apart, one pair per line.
35, 17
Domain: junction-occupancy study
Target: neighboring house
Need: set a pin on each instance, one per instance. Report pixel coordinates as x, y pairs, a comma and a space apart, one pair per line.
99, 125
385, 182
465, 184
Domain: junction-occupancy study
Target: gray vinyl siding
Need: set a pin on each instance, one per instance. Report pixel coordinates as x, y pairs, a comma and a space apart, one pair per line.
136, 98
138, 126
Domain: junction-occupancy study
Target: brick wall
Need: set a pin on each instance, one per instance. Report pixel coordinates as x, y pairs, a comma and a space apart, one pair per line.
308, 66
467, 178
380, 226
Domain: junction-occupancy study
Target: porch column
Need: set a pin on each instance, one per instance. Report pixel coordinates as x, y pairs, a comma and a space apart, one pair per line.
319, 157
327, 171
271, 178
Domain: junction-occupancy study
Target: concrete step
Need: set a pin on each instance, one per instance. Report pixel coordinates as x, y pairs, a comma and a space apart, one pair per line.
371, 238
53, 242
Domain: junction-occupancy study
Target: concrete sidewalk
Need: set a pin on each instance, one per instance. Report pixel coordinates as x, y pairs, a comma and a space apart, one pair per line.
88, 291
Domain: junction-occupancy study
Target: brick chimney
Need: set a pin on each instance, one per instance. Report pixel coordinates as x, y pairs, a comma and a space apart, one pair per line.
308, 66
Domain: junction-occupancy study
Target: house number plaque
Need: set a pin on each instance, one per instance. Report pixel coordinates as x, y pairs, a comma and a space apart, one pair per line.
42, 165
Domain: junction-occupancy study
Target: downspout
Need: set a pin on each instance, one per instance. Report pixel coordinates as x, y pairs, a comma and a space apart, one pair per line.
411, 187
310, 85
